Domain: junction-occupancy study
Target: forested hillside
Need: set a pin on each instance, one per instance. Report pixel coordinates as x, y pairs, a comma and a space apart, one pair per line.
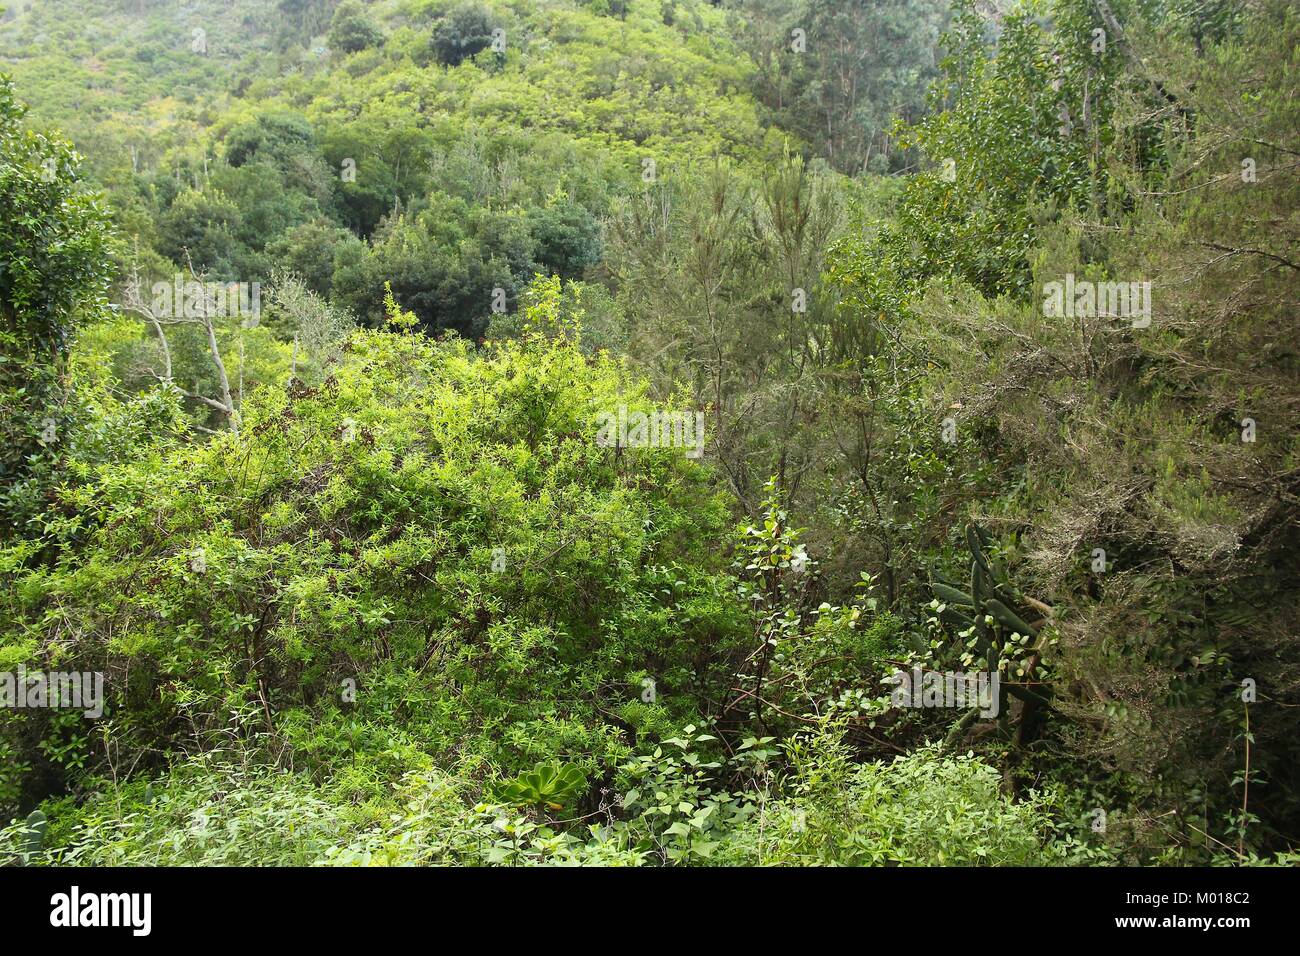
649, 432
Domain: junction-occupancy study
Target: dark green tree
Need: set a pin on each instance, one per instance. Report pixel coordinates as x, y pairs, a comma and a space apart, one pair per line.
351, 30
567, 238
54, 269
465, 31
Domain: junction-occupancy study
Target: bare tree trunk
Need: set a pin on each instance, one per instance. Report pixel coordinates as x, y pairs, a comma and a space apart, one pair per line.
135, 302
232, 418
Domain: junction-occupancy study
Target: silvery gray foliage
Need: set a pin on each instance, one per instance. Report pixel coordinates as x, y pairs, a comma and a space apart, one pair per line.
319, 326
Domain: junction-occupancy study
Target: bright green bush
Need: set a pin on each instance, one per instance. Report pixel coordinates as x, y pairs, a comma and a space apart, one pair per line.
923, 809
220, 809
429, 546
208, 812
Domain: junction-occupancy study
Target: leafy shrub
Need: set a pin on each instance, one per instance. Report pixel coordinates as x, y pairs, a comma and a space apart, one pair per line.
348, 536
206, 812
922, 809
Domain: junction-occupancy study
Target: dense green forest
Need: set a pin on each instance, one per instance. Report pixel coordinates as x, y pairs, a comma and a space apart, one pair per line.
649, 432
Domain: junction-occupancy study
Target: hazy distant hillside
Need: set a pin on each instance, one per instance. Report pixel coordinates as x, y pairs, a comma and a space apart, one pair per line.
116, 75
127, 81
